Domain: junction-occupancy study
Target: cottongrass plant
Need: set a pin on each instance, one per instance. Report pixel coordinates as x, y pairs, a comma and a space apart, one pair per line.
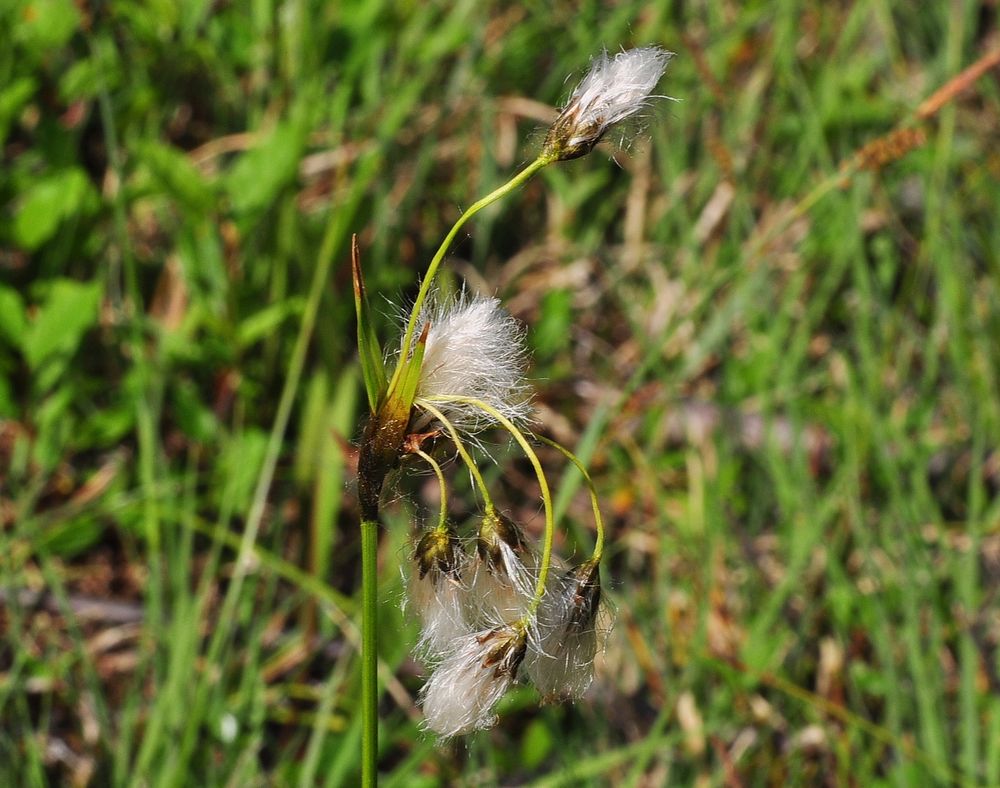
493, 608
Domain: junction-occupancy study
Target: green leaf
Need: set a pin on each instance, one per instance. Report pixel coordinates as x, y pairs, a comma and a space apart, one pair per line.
266, 321
194, 418
69, 311
372, 363
311, 428
239, 464
47, 24
556, 316
8, 403
536, 745
67, 539
106, 427
86, 78
47, 203
55, 427
178, 176
13, 97
409, 378
258, 176
13, 318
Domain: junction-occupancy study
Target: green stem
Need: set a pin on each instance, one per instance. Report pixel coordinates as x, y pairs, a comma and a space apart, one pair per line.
463, 452
595, 505
425, 285
507, 424
369, 653
443, 513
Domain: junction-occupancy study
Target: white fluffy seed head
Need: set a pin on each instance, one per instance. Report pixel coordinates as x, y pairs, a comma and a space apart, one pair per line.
461, 693
615, 89
501, 576
438, 593
441, 607
474, 349
560, 660
501, 590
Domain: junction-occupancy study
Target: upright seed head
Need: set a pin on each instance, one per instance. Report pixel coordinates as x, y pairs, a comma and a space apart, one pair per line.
614, 89
474, 349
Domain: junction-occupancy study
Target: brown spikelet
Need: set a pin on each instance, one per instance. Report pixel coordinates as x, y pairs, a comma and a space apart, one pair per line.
889, 148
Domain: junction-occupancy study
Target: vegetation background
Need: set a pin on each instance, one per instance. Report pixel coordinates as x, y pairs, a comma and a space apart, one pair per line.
782, 369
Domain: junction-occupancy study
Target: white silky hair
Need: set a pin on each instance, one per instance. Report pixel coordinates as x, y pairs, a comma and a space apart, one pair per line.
560, 658
463, 690
504, 591
614, 89
441, 603
475, 349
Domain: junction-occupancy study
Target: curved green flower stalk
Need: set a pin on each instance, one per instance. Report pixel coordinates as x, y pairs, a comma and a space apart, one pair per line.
432, 269
594, 503
442, 485
470, 463
505, 587
550, 528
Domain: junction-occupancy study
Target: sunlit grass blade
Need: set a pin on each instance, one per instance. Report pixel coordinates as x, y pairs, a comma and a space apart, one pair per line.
369, 350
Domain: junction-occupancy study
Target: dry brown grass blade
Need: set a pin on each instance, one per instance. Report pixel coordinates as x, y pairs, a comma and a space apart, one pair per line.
957, 84
879, 152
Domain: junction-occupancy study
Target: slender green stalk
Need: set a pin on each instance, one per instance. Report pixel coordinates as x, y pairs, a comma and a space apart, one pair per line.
369, 654
507, 424
425, 285
594, 503
463, 452
443, 512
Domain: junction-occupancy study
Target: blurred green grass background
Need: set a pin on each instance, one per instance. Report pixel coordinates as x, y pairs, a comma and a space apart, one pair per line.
790, 408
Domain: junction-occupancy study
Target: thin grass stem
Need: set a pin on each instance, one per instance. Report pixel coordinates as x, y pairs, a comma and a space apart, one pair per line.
369, 653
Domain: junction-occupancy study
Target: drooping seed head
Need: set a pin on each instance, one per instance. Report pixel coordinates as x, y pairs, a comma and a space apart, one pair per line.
496, 531
438, 549
560, 659
502, 580
438, 593
584, 581
461, 693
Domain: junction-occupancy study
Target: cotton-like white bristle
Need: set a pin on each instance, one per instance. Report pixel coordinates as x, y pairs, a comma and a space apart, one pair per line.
615, 88
504, 591
462, 692
502, 576
474, 349
560, 657
441, 603
618, 87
